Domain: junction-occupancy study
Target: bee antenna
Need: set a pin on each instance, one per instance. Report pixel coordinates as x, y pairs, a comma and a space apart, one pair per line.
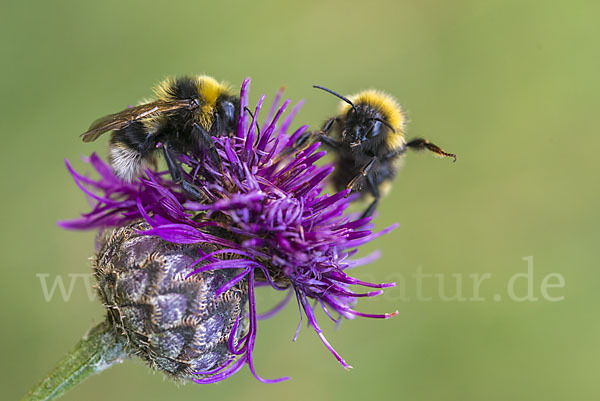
383, 122
337, 95
247, 110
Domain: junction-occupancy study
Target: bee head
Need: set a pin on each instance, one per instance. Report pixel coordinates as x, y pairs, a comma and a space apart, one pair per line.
226, 115
226, 111
364, 124
363, 121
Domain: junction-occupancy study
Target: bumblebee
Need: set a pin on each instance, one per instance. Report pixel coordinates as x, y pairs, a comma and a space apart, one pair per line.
184, 116
368, 138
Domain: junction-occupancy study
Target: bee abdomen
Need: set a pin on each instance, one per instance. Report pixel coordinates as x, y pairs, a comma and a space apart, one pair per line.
131, 150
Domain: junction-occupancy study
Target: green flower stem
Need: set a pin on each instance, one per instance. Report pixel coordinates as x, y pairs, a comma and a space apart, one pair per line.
99, 349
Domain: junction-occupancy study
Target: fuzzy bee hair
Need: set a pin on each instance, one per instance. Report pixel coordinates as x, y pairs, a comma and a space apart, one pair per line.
368, 137
184, 115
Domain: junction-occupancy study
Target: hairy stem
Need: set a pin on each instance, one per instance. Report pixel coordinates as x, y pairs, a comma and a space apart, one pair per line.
99, 349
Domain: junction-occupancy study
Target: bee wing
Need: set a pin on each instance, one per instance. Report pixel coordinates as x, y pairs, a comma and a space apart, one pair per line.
121, 119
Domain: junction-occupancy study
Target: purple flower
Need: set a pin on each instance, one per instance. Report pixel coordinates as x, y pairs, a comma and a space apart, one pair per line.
284, 230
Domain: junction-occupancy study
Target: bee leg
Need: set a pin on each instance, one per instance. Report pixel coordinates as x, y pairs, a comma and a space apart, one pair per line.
206, 142
192, 190
332, 143
421, 144
375, 192
363, 172
394, 153
171, 164
327, 126
175, 171
298, 145
302, 139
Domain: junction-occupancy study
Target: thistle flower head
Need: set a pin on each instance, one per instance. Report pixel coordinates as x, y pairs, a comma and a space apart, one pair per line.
267, 209
176, 324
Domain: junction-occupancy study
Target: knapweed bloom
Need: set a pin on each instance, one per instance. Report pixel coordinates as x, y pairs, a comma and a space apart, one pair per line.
177, 324
264, 217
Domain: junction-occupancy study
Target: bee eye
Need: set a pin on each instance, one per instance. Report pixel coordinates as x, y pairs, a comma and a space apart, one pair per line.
374, 130
227, 110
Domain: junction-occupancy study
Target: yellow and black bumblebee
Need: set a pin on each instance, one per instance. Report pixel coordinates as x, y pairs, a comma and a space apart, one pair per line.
184, 116
368, 139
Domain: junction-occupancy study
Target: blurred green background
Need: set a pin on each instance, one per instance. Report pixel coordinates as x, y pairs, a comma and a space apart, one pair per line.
511, 86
